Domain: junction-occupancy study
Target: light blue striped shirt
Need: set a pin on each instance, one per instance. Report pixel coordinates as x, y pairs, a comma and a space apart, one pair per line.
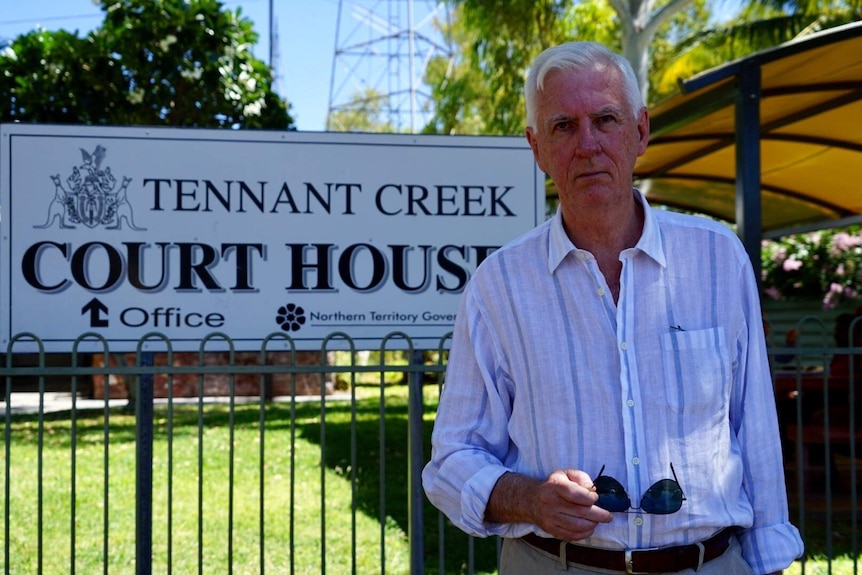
546, 372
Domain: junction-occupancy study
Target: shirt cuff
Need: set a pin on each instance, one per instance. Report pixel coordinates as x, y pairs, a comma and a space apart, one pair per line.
772, 548
474, 501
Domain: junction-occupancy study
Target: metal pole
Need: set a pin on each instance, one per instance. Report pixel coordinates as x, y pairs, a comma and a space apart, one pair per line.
748, 211
416, 461
271, 48
411, 34
144, 470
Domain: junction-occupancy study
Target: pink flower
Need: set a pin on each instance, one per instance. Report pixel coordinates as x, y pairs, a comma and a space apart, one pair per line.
843, 241
791, 264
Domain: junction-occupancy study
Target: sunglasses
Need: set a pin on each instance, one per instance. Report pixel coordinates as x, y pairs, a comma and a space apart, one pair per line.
662, 498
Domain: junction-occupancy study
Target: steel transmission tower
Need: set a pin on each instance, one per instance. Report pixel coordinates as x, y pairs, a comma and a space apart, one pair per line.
382, 48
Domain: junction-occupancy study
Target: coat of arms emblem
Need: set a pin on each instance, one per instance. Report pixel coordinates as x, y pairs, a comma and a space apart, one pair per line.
91, 198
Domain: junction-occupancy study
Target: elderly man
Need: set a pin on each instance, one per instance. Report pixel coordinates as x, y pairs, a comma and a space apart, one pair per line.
608, 405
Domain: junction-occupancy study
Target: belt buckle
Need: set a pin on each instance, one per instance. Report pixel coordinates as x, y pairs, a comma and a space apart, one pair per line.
630, 563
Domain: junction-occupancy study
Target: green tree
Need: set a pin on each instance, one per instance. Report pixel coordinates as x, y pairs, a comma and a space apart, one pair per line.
365, 113
482, 91
665, 40
151, 62
757, 26
494, 40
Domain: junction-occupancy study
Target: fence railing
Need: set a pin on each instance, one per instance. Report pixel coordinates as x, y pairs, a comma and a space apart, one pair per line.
284, 461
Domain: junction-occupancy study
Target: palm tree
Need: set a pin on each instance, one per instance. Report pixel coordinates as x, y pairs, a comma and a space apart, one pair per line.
758, 25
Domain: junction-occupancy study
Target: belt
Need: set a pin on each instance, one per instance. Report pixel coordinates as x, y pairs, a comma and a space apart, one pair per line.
656, 560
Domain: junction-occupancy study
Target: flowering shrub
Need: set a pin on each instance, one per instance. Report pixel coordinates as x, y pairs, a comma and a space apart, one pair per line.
826, 264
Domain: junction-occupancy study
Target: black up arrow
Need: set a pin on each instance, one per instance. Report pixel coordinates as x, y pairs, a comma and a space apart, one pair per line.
96, 308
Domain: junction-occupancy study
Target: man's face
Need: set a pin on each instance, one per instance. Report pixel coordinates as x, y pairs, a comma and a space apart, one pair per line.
586, 137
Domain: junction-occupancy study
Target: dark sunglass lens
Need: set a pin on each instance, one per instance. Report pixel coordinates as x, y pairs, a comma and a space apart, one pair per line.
612, 496
662, 498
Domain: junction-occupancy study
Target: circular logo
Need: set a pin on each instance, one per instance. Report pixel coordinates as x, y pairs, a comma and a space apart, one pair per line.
290, 317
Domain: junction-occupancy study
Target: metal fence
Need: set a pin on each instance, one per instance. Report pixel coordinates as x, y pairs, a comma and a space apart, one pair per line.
281, 461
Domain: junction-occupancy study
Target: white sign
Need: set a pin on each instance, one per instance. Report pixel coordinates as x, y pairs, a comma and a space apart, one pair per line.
124, 232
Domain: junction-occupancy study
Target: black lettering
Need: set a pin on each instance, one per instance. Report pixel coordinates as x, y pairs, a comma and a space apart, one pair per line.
30, 267
378, 199
483, 252
124, 317
447, 264
470, 199
416, 196
400, 268
499, 201
210, 190
441, 199
189, 268
310, 191
245, 192
243, 263
346, 267
299, 267
157, 192
80, 266
349, 188
181, 194
134, 254
288, 199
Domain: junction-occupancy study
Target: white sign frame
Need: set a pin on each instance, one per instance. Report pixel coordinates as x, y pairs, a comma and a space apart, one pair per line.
126, 231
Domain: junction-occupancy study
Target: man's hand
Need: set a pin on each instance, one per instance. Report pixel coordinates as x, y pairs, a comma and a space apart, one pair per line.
563, 505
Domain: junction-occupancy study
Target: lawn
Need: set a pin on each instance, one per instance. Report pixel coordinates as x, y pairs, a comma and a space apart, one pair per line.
242, 490
227, 497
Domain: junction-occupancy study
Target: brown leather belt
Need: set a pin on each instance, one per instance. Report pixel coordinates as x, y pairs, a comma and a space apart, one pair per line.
659, 560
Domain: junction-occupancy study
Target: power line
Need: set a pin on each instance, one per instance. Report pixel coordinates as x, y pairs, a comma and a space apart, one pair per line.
381, 54
50, 19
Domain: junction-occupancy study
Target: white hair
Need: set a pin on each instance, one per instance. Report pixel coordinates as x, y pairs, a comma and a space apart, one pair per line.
579, 57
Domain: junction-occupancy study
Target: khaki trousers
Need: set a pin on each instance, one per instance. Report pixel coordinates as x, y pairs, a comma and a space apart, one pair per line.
519, 558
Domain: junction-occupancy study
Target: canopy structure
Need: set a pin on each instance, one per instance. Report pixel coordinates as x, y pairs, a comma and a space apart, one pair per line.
772, 142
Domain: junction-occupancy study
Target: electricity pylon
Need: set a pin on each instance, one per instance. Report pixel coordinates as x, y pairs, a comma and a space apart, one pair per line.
382, 48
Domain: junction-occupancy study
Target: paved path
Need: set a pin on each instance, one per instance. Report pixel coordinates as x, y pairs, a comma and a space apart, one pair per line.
24, 402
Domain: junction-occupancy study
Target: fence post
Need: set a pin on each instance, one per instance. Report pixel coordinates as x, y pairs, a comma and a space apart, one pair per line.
144, 469
416, 461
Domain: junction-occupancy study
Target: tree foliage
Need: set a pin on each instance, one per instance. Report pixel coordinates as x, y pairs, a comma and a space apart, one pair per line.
481, 91
365, 113
496, 40
758, 26
151, 62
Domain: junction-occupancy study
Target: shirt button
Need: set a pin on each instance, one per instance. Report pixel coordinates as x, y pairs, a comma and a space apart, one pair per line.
624, 346
581, 255
601, 292
639, 520
636, 461
630, 403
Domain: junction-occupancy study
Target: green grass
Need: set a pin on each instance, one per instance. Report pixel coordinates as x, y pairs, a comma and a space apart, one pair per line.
106, 496
318, 537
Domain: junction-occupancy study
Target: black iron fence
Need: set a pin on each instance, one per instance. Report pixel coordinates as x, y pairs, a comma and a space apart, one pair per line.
283, 461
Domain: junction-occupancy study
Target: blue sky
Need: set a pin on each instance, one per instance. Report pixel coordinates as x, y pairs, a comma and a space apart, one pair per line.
306, 40
306, 31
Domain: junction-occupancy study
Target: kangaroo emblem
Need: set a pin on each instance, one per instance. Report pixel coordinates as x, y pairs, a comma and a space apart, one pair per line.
91, 198
124, 209
57, 207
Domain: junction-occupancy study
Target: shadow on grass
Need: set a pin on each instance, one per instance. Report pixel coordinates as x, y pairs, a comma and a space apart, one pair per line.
351, 438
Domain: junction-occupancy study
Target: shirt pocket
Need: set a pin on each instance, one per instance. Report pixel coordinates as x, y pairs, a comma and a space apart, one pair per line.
696, 368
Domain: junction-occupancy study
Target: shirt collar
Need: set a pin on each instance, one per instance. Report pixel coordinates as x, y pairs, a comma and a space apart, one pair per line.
649, 243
